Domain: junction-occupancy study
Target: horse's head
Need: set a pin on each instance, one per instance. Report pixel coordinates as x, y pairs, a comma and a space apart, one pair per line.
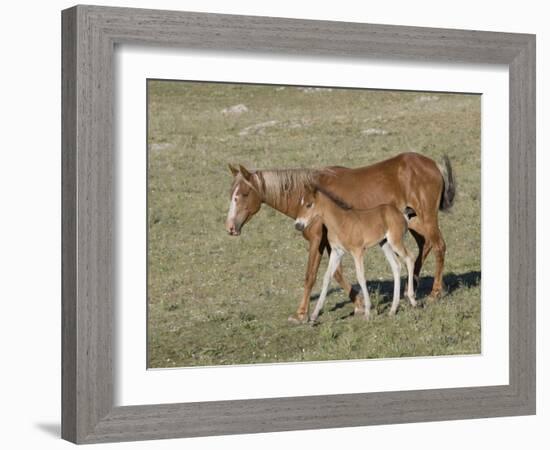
245, 200
307, 211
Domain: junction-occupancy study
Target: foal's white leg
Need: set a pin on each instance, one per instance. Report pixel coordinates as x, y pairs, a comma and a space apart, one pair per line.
410, 291
360, 270
396, 270
403, 253
333, 262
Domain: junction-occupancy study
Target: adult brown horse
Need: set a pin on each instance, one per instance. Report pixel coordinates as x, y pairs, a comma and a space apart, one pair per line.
411, 182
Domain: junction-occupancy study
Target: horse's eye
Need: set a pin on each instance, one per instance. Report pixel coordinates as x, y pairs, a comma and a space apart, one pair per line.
245, 195
309, 205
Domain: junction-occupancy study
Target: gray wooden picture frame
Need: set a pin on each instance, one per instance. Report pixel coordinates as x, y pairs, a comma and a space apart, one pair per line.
89, 36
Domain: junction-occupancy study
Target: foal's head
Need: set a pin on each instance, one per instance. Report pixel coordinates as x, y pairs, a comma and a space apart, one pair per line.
314, 203
307, 211
245, 200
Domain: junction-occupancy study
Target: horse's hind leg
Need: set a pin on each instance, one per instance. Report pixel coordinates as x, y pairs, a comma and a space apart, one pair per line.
425, 226
396, 271
416, 227
439, 248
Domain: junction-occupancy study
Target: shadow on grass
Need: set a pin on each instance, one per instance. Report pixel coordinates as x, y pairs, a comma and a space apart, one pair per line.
384, 288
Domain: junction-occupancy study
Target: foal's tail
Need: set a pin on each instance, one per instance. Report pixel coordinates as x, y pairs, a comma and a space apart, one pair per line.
449, 185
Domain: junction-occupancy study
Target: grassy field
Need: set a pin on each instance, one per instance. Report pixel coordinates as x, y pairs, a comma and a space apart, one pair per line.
215, 299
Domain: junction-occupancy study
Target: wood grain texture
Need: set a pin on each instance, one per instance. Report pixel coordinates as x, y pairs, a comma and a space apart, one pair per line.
523, 224
68, 225
89, 36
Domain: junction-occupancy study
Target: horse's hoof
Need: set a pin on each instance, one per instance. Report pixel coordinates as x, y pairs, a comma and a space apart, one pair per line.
295, 319
391, 313
359, 312
366, 317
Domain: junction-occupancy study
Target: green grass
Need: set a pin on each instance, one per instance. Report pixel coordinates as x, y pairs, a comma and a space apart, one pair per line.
215, 299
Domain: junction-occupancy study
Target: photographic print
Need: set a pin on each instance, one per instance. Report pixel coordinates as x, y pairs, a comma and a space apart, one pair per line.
299, 223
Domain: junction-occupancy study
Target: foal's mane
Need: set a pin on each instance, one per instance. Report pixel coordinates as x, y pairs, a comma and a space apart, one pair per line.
335, 199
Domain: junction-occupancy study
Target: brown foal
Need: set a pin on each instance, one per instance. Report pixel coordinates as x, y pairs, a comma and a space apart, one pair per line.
409, 181
354, 231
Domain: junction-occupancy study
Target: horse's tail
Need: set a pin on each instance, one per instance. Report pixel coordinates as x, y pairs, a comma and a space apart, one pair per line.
449, 185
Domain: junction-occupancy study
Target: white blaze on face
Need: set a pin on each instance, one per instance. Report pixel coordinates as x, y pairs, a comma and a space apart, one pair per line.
233, 205
301, 220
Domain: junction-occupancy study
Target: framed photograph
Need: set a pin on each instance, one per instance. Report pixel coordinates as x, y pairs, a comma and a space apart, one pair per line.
279, 224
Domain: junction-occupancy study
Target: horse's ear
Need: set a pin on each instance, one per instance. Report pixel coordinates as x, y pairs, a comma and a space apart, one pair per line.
233, 170
245, 173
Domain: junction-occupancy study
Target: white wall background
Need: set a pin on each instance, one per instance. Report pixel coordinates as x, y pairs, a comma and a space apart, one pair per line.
30, 236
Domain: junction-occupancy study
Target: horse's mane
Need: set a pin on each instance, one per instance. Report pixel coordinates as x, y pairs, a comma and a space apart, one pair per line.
276, 185
279, 184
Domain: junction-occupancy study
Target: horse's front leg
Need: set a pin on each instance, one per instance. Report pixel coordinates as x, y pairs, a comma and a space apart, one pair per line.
316, 248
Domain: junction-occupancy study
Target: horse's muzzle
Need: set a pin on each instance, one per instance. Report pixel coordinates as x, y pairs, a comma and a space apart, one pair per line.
299, 226
233, 229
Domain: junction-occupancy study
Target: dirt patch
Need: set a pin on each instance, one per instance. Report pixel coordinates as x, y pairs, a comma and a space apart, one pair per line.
258, 128
374, 132
235, 110
160, 146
